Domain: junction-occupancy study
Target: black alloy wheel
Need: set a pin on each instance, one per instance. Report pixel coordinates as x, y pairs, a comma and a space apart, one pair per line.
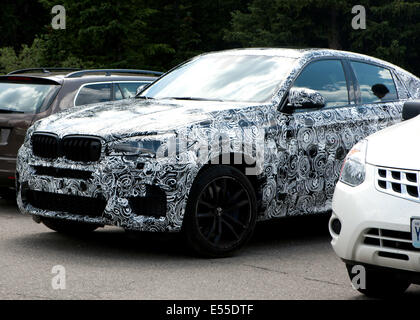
221, 212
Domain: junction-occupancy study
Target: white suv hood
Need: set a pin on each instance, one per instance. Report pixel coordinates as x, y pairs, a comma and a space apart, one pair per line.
397, 146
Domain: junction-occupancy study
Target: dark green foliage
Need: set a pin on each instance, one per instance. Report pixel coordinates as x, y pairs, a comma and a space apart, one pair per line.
20, 21
392, 33
159, 34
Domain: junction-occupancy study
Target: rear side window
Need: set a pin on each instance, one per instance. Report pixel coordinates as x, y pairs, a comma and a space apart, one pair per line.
376, 83
94, 93
129, 89
327, 77
25, 97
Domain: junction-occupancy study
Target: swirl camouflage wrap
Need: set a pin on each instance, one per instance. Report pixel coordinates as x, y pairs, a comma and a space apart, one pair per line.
299, 97
302, 151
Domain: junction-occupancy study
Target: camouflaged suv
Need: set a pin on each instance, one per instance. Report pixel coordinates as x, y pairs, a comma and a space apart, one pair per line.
220, 142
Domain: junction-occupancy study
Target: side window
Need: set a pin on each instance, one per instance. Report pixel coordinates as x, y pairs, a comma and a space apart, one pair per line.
129, 89
327, 77
376, 83
94, 93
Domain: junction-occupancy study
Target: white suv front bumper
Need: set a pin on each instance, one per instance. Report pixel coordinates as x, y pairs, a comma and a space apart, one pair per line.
375, 226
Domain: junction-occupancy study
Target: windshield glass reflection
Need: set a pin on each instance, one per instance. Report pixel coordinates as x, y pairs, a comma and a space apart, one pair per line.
252, 78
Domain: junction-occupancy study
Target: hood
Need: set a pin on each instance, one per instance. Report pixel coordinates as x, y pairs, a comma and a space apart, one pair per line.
133, 117
396, 146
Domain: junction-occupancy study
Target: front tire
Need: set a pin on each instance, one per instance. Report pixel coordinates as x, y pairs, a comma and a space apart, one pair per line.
221, 212
68, 227
381, 284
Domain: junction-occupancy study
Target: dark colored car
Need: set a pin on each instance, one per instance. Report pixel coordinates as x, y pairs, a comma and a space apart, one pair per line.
218, 143
31, 94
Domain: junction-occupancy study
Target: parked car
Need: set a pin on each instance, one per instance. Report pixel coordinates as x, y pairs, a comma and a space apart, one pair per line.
376, 210
221, 141
31, 94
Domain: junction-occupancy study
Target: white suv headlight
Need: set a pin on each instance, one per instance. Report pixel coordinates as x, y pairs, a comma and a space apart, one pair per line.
353, 171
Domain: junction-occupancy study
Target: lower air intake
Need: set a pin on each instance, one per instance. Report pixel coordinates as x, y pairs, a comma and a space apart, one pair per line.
85, 206
152, 205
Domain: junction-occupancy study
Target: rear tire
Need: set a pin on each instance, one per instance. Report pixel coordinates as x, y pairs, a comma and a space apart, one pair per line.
221, 212
381, 284
68, 227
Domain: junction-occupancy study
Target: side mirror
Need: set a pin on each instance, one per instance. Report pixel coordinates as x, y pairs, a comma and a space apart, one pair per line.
140, 88
306, 98
411, 109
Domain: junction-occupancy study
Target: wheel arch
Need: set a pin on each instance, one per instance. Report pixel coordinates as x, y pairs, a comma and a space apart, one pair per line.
242, 163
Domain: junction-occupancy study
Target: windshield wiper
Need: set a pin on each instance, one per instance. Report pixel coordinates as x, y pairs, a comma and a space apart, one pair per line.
144, 97
10, 111
193, 98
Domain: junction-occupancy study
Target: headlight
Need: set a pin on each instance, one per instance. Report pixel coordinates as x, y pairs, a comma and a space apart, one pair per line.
137, 147
151, 146
353, 171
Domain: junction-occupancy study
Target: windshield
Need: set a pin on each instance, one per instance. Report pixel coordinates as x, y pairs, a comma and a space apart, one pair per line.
252, 78
24, 97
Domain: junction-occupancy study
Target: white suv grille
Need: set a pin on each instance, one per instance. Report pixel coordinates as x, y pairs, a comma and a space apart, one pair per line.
389, 239
398, 182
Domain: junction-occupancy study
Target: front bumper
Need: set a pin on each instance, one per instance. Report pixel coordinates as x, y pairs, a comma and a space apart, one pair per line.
116, 190
375, 226
408, 276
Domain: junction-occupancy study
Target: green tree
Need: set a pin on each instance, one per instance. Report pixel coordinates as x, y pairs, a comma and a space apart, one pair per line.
392, 27
317, 23
392, 33
104, 34
27, 57
158, 34
191, 27
20, 22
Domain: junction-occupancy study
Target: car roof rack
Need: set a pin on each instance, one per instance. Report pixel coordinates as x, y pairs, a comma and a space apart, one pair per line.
108, 72
43, 70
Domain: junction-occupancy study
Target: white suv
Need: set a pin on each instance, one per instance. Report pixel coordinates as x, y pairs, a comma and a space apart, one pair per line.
376, 208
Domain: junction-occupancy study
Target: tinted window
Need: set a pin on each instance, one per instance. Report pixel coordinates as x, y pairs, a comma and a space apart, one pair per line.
227, 77
94, 93
327, 77
129, 89
376, 83
27, 98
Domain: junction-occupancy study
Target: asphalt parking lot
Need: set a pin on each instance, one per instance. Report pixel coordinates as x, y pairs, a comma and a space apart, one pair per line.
285, 260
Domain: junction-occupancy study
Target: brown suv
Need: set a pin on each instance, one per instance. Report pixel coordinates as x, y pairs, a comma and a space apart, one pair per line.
31, 94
